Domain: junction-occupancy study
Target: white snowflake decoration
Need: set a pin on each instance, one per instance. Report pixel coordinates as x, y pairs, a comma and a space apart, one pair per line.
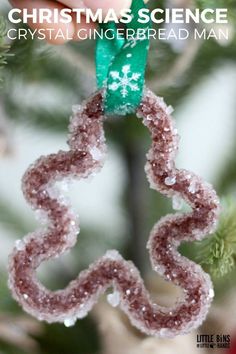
124, 81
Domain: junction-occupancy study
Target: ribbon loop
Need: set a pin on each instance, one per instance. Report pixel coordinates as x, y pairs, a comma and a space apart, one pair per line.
121, 64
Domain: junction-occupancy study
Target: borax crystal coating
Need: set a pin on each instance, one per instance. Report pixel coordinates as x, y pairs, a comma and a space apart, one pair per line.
84, 158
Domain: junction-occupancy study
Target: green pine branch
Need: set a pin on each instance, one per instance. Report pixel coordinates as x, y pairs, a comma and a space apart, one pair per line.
203, 4
226, 4
4, 48
218, 252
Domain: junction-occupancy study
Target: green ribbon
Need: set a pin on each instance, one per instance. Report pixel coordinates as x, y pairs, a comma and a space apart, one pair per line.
121, 64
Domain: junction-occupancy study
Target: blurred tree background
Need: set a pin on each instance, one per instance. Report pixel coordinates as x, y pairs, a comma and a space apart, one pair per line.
67, 75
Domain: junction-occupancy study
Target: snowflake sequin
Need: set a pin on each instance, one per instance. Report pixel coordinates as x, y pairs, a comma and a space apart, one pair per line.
124, 81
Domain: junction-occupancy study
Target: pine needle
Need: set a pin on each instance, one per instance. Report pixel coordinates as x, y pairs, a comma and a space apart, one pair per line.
218, 252
4, 48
